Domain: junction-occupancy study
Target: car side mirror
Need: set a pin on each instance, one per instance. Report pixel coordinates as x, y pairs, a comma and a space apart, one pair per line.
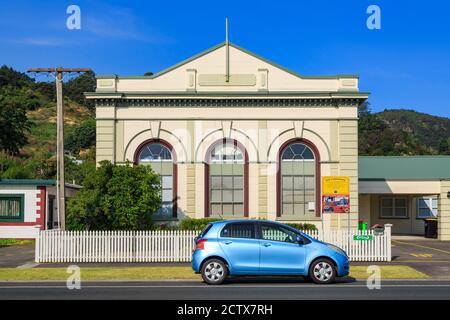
299, 240
195, 239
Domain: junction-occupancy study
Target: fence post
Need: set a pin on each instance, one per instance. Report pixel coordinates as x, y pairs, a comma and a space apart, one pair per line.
36, 247
387, 232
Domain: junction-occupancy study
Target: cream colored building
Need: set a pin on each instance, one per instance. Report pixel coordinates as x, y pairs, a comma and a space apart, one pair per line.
234, 135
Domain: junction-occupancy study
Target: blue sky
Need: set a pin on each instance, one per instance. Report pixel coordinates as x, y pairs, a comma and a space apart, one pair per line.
406, 64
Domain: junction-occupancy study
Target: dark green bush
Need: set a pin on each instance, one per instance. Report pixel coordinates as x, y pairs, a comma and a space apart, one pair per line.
82, 137
303, 226
200, 224
115, 197
195, 224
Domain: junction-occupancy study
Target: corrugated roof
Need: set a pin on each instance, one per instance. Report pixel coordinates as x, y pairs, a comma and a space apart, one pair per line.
404, 168
35, 182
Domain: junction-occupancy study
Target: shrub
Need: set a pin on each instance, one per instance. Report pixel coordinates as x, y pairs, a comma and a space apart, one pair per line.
195, 224
115, 197
303, 226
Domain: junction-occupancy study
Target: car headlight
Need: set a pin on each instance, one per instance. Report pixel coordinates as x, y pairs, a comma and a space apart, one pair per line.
337, 249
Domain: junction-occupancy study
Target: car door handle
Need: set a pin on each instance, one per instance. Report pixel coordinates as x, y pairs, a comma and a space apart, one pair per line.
266, 244
228, 242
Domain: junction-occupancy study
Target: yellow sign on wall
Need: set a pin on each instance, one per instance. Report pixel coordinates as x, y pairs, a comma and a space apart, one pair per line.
336, 194
336, 185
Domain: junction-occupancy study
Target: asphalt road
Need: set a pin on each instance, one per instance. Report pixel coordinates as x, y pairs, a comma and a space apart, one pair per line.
236, 290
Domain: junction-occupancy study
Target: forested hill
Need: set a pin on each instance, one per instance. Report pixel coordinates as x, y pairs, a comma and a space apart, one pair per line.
402, 132
28, 125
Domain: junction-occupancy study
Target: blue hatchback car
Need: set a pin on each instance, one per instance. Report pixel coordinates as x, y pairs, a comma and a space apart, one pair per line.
243, 247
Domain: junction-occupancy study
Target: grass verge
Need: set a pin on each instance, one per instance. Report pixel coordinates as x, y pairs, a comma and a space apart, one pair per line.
112, 273
389, 272
10, 242
171, 273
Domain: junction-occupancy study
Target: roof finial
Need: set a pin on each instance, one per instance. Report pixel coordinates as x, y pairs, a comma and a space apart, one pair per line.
227, 56
226, 30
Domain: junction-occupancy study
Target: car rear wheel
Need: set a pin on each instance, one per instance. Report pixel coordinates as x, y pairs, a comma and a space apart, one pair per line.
214, 271
322, 271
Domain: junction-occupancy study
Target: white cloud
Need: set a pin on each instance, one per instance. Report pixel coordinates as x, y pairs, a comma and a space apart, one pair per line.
49, 42
120, 22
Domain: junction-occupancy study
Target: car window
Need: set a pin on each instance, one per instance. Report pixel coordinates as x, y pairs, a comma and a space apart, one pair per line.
205, 231
238, 230
278, 233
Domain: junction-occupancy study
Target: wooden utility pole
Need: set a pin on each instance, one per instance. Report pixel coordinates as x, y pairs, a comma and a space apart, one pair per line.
60, 184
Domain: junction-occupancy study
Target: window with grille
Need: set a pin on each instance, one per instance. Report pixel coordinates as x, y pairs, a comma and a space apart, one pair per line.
427, 207
159, 157
298, 181
226, 181
11, 207
394, 207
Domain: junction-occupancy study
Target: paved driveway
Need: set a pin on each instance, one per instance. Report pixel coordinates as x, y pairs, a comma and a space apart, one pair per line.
429, 256
16, 255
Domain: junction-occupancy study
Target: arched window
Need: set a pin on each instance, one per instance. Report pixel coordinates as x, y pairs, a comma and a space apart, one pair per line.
226, 185
298, 181
160, 156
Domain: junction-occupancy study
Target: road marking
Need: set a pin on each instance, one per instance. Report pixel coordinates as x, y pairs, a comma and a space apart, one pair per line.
233, 286
405, 261
421, 246
421, 255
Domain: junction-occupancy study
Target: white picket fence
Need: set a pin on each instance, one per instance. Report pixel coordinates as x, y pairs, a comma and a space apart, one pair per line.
176, 246
376, 249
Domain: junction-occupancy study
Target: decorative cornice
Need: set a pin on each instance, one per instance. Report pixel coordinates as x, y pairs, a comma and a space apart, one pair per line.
232, 102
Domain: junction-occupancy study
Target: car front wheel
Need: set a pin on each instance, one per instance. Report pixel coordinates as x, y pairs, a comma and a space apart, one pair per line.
214, 271
322, 271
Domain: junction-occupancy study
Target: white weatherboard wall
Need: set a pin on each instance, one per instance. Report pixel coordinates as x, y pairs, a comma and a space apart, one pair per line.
19, 232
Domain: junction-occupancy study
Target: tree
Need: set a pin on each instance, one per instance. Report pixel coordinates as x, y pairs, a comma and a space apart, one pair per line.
14, 123
115, 197
76, 87
77, 173
149, 73
13, 167
81, 137
13, 78
444, 146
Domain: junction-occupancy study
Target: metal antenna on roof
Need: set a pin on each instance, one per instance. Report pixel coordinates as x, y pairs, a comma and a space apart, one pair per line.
227, 48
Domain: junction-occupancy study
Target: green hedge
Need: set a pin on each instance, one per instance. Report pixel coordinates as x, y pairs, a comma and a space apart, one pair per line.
200, 224
185, 224
303, 226
195, 224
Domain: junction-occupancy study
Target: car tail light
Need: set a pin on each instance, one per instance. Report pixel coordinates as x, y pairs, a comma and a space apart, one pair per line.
200, 244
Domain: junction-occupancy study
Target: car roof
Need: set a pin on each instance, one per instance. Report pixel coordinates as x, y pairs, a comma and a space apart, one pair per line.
244, 220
